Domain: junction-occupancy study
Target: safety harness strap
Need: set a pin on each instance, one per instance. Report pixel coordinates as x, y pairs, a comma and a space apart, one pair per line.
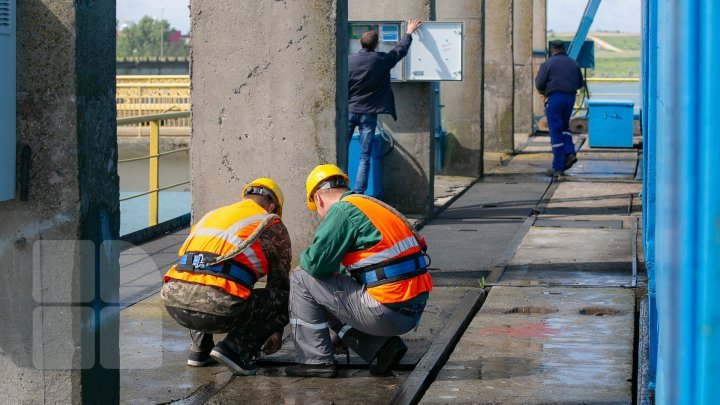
391, 271
197, 262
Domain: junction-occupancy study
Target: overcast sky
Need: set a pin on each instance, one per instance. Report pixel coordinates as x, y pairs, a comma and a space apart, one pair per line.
612, 15
563, 15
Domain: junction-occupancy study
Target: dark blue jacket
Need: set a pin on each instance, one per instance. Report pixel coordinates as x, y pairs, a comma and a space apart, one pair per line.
559, 73
369, 79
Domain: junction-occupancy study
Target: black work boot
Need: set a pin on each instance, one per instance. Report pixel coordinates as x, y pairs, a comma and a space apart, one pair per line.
200, 359
554, 173
238, 363
570, 160
389, 356
312, 370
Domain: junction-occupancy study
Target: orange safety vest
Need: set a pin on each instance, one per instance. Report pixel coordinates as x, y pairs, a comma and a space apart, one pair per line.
396, 240
218, 233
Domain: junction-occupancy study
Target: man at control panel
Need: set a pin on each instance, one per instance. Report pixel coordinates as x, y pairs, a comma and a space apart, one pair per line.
370, 93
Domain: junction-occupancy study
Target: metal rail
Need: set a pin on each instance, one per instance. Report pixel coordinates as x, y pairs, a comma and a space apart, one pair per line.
613, 79
153, 158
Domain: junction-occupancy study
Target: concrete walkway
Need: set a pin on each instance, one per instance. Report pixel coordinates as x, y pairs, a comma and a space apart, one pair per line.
557, 324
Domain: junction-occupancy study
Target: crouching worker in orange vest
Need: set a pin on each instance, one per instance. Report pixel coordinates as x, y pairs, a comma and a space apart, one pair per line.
364, 276
210, 289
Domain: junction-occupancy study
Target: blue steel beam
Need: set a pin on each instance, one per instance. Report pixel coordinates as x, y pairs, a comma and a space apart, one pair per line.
583, 29
649, 125
708, 244
669, 294
687, 222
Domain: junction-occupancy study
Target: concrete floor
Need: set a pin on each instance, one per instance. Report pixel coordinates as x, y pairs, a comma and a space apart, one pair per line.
556, 327
543, 335
543, 345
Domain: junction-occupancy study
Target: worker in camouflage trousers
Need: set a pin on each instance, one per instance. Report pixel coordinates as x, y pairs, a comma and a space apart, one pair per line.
210, 289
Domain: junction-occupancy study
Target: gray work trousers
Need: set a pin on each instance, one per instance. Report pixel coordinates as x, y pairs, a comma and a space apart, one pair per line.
342, 304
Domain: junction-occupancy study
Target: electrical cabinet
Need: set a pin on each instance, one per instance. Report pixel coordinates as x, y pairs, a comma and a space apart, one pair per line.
435, 54
7, 100
389, 34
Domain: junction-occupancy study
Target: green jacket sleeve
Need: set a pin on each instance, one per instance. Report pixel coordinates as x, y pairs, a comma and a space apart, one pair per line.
334, 237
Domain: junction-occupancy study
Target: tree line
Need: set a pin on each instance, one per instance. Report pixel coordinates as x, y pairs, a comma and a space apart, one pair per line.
144, 39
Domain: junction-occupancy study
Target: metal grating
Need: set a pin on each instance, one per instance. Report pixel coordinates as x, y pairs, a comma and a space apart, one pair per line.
5, 16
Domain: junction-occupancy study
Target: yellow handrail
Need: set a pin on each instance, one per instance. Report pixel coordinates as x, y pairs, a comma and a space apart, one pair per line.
613, 79
141, 119
153, 159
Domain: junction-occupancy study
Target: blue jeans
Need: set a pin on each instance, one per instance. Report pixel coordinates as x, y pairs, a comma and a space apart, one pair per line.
367, 124
558, 110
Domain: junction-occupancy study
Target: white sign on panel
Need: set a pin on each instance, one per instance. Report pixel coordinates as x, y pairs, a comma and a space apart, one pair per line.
436, 52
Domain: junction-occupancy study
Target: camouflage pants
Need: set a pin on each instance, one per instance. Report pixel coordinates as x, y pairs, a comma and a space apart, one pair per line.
262, 314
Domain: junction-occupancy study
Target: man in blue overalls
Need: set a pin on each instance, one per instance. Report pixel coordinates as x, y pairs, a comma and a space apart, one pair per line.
559, 78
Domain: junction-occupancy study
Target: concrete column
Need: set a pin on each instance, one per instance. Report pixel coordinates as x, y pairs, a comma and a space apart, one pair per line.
59, 336
522, 58
499, 76
463, 101
408, 171
266, 100
539, 40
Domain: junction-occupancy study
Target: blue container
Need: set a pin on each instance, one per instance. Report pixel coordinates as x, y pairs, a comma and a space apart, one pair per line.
610, 124
374, 186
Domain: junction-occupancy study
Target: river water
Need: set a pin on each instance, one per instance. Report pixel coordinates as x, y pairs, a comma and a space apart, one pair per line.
174, 168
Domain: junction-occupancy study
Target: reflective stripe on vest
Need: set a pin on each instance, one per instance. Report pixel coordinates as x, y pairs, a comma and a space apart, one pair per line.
396, 240
219, 232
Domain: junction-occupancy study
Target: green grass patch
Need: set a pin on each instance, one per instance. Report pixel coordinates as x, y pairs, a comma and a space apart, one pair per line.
609, 63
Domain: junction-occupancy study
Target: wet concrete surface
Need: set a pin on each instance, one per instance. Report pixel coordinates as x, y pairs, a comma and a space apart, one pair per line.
534, 345
142, 267
498, 198
620, 164
154, 351
572, 256
448, 188
524, 164
464, 250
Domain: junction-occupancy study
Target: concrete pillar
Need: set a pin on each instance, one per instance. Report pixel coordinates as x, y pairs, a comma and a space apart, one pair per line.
539, 41
522, 58
499, 76
463, 101
408, 171
266, 100
58, 279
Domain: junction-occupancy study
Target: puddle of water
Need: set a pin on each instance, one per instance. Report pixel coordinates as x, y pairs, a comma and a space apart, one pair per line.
531, 310
600, 311
531, 330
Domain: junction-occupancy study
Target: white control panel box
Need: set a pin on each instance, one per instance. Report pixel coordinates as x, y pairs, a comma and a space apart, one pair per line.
435, 54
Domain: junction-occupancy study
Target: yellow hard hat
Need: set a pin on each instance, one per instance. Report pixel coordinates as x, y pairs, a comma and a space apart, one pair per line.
319, 175
264, 183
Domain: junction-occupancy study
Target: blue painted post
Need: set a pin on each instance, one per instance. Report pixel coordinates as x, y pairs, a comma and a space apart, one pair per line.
649, 126
688, 202
708, 243
667, 177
